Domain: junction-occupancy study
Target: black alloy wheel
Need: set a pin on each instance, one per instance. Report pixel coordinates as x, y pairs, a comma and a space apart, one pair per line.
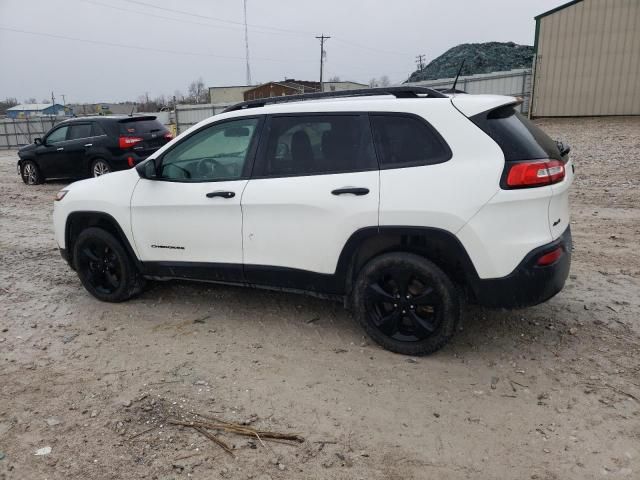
104, 267
406, 303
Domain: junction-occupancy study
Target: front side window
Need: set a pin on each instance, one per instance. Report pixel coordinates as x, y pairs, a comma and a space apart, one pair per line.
57, 136
406, 141
318, 144
216, 153
79, 131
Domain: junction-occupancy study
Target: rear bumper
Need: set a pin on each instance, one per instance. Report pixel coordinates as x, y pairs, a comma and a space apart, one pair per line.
529, 284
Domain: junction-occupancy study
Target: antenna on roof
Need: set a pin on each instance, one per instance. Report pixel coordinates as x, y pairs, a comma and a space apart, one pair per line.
455, 82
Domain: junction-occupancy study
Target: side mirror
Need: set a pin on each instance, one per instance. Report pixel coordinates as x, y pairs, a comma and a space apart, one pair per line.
148, 169
37, 141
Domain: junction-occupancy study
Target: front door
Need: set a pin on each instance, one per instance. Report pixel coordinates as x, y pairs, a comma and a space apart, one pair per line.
188, 220
315, 184
50, 154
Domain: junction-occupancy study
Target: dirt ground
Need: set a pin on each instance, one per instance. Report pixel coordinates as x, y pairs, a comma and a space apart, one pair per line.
550, 392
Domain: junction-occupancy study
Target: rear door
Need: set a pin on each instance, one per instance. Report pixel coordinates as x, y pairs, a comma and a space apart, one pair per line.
76, 148
315, 184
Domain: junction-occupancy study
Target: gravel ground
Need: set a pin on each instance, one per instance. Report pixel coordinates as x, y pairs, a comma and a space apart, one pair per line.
550, 392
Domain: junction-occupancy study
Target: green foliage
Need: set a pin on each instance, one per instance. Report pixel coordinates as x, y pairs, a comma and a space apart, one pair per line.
479, 58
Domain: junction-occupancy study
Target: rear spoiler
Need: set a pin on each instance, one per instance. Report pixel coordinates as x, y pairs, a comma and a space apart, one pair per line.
470, 105
137, 118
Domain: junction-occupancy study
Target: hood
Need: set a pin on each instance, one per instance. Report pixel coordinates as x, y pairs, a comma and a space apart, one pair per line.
27, 148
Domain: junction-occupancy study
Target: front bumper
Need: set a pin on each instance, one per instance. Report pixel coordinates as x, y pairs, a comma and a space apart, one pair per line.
529, 284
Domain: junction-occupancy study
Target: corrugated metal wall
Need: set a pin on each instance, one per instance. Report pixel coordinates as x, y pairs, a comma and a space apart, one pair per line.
588, 60
189, 115
516, 83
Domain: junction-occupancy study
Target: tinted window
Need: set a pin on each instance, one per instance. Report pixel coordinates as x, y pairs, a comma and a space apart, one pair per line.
137, 127
404, 141
79, 131
314, 144
97, 130
59, 135
516, 135
215, 153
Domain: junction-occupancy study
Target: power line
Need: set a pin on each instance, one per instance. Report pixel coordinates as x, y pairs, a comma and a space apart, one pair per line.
322, 38
148, 49
217, 19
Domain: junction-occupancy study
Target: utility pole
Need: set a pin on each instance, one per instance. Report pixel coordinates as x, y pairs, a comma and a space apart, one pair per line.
64, 100
246, 43
420, 61
322, 38
53, 99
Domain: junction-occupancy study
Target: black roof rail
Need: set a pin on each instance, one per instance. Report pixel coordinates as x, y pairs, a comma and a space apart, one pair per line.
398, 92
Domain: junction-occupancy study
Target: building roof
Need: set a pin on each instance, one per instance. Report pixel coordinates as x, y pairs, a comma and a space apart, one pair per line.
557, 9
32, 107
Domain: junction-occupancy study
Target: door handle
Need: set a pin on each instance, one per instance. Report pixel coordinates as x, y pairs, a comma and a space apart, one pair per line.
59, 149
353, 190
87, 145
221, 193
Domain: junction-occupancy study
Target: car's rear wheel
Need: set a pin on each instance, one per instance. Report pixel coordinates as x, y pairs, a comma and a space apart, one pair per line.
30, 173
100, 167
406, 303
104, 267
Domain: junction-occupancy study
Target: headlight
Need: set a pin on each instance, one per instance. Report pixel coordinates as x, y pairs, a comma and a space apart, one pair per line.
60, 195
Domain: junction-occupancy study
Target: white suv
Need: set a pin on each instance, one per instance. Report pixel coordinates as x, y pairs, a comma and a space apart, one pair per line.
400, 201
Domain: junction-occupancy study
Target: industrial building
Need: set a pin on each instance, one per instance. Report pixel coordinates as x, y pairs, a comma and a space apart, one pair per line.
587, 59
27, 110
240, 93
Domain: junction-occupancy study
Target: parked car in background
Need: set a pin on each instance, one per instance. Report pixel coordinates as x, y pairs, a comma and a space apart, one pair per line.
90, 147
399, 201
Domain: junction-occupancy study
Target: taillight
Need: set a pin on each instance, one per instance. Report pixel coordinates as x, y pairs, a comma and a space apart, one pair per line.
131, 162
550, 257
168, 136
535, 173
128, 142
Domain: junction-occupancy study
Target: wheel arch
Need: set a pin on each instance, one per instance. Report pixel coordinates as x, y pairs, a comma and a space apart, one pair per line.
81, 220
439, 246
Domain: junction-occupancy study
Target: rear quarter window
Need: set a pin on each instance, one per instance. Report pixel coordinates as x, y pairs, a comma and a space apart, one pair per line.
517, 136
407, 141
138, 127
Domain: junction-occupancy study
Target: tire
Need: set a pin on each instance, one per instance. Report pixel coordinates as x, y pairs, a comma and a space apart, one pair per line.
99, 167
406, 303
104, 267
30, 173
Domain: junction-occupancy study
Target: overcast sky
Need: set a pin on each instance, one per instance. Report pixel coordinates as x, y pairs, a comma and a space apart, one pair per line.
154, 47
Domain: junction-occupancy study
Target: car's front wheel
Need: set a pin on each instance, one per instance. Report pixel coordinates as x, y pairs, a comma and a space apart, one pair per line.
104, 267
406, 303
100, 167
30, 173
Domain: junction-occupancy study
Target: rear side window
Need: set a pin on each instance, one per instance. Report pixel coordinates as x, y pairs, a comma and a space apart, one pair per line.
82, 130
406, 141
97, 130
517, 136
318, 144
140, 127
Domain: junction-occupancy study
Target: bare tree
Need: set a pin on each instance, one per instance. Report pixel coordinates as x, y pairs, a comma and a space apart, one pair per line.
32, 100
334, 79
373, 83
384, 81
197, 93
7, 103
